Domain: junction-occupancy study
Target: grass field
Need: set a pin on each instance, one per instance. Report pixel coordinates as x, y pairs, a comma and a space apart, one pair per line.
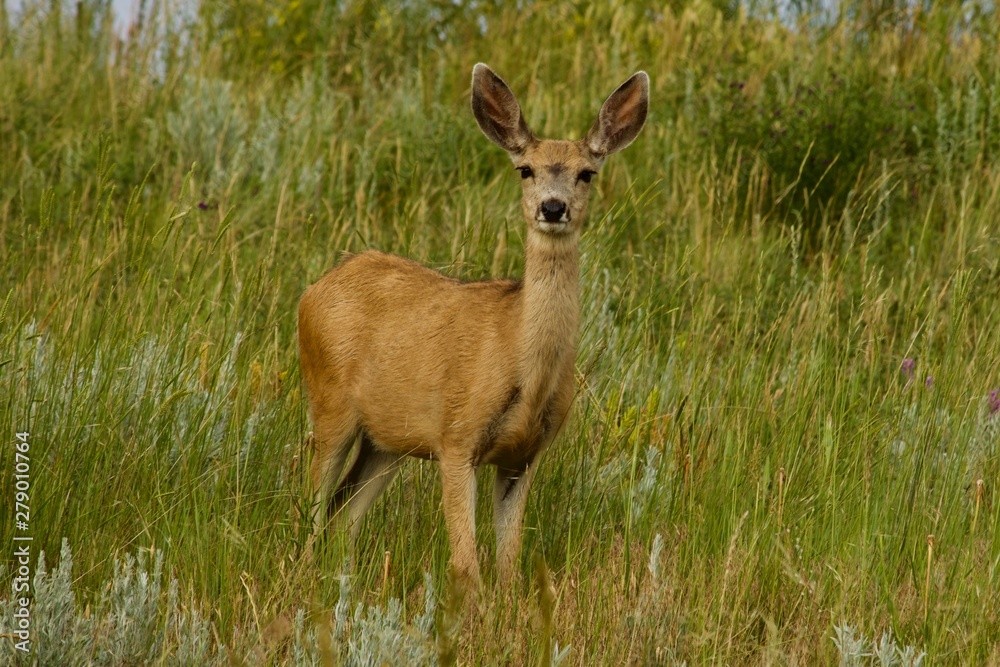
785, 447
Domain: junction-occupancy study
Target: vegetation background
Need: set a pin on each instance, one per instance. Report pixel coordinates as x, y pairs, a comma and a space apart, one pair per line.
786, 443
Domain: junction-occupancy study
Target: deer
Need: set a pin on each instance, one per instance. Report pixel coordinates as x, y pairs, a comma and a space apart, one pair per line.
399, 360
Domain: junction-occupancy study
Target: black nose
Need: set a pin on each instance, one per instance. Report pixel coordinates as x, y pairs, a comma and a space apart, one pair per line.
553, 209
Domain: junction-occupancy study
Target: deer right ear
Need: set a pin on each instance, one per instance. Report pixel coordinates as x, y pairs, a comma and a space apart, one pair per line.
497, 111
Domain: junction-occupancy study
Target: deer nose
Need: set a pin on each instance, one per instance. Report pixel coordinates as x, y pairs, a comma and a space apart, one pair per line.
553, 210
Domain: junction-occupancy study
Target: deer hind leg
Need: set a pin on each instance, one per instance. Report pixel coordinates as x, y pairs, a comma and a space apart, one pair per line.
510, 493
334, 434
371, 473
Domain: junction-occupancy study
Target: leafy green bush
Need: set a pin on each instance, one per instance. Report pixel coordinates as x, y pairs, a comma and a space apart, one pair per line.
818, 138
856, 111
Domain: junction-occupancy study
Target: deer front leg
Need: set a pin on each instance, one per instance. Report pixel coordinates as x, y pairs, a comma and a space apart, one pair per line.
458, 486
510, 493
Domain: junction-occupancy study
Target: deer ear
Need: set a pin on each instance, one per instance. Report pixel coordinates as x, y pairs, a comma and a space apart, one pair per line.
621, 117
497, 111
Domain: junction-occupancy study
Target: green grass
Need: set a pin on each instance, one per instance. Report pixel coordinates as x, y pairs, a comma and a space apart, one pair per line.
166, 198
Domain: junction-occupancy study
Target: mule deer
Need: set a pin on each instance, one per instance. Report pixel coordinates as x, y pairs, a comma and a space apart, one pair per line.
409, 362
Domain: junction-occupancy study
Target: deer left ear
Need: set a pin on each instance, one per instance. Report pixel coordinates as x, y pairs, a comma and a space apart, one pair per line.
621, 117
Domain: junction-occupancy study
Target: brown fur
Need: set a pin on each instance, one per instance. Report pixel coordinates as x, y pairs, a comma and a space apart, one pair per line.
418, 364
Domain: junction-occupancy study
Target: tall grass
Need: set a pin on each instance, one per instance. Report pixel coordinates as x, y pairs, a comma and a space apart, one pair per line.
786, 363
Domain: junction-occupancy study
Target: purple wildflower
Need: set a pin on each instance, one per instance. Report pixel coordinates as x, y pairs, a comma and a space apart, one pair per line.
907, 368
929, 382
203, 206
994, 402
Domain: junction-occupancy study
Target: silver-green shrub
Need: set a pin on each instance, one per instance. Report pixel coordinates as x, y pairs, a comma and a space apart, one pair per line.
855, 650
134, 623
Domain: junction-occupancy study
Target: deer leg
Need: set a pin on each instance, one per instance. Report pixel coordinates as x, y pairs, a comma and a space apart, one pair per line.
458, 486
371, 473
334, 436
510, 493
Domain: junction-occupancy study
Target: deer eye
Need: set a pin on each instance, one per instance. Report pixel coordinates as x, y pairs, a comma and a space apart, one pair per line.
585, 175
526, 172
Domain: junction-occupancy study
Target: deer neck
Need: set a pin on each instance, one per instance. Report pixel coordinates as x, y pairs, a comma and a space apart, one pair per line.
551, 312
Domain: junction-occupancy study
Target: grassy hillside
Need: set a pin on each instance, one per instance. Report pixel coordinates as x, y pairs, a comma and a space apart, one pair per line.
786, 441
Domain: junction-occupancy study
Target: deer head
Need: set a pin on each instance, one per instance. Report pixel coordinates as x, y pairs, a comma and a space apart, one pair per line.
556, 174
